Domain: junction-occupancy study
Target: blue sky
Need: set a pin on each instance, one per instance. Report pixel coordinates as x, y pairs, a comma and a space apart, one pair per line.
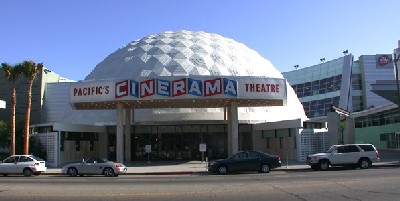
72, 36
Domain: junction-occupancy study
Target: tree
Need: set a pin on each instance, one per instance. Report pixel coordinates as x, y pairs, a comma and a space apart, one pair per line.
12, 73
30, 70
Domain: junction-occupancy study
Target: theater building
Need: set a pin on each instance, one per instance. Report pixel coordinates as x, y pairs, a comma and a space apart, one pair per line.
172, 96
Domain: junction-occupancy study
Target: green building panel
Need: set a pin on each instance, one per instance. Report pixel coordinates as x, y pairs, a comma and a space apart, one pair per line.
382, 137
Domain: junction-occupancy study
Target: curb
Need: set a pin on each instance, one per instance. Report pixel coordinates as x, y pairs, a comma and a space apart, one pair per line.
282, 169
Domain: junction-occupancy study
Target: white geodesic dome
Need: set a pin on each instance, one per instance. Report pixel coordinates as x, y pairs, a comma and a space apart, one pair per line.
192, 53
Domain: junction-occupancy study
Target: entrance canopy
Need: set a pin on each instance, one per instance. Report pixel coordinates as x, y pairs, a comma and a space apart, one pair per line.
179, 92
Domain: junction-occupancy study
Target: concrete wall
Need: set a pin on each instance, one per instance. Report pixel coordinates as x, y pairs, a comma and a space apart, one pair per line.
333, 128
288, 151
349, 133
334, 131
70, 154
272, 143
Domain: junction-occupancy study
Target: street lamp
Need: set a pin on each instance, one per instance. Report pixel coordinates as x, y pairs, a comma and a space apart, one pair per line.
296, 66
322, 60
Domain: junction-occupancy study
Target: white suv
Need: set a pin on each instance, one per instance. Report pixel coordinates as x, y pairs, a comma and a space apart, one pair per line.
352, 155
22, 164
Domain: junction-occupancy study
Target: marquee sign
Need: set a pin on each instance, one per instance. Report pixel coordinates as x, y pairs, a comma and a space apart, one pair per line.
178, 88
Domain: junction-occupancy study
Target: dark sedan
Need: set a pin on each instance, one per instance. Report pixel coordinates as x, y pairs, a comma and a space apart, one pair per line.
245, 161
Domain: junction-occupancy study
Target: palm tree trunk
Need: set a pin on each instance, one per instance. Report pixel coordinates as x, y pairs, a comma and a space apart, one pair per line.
13, 105
27, 118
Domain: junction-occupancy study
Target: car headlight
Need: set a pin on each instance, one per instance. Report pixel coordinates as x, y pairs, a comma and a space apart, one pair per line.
212, 163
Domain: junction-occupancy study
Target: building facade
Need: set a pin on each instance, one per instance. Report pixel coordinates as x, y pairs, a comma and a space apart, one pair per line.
125, 126
364, 88
105, 115
381, 125
321, 86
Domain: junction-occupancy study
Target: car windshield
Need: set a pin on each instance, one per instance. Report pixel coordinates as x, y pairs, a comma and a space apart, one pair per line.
330, 150
102, 160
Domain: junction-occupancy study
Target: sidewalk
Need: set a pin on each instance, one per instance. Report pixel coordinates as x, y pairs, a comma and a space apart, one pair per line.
198, 167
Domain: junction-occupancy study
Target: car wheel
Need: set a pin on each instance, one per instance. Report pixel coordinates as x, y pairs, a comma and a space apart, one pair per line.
72, 172
27, 172
5, 175
323, 165
265, 168
222, 169
109, 172
364, 163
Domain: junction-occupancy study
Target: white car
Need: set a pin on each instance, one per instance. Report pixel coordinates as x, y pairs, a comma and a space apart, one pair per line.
94, 166
23, 164
352, 155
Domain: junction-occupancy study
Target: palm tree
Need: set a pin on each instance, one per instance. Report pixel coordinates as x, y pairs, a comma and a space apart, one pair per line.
12, 73
30, 70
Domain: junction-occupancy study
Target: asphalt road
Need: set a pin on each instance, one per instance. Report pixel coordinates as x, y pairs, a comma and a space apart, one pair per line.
337, 184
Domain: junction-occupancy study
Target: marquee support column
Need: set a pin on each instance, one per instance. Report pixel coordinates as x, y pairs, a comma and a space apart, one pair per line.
233, 129
120, 133
128, 120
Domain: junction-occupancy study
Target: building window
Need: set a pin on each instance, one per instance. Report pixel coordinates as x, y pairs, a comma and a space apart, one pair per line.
356, 83
383, 137
378, 119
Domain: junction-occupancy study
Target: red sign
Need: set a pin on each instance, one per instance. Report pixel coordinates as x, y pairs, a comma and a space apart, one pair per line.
384, 60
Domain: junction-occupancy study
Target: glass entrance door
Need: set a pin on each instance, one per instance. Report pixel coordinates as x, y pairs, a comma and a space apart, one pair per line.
181, 146
181, 142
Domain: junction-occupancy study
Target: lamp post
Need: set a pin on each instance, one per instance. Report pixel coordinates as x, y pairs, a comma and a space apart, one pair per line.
46, 71
395, 59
